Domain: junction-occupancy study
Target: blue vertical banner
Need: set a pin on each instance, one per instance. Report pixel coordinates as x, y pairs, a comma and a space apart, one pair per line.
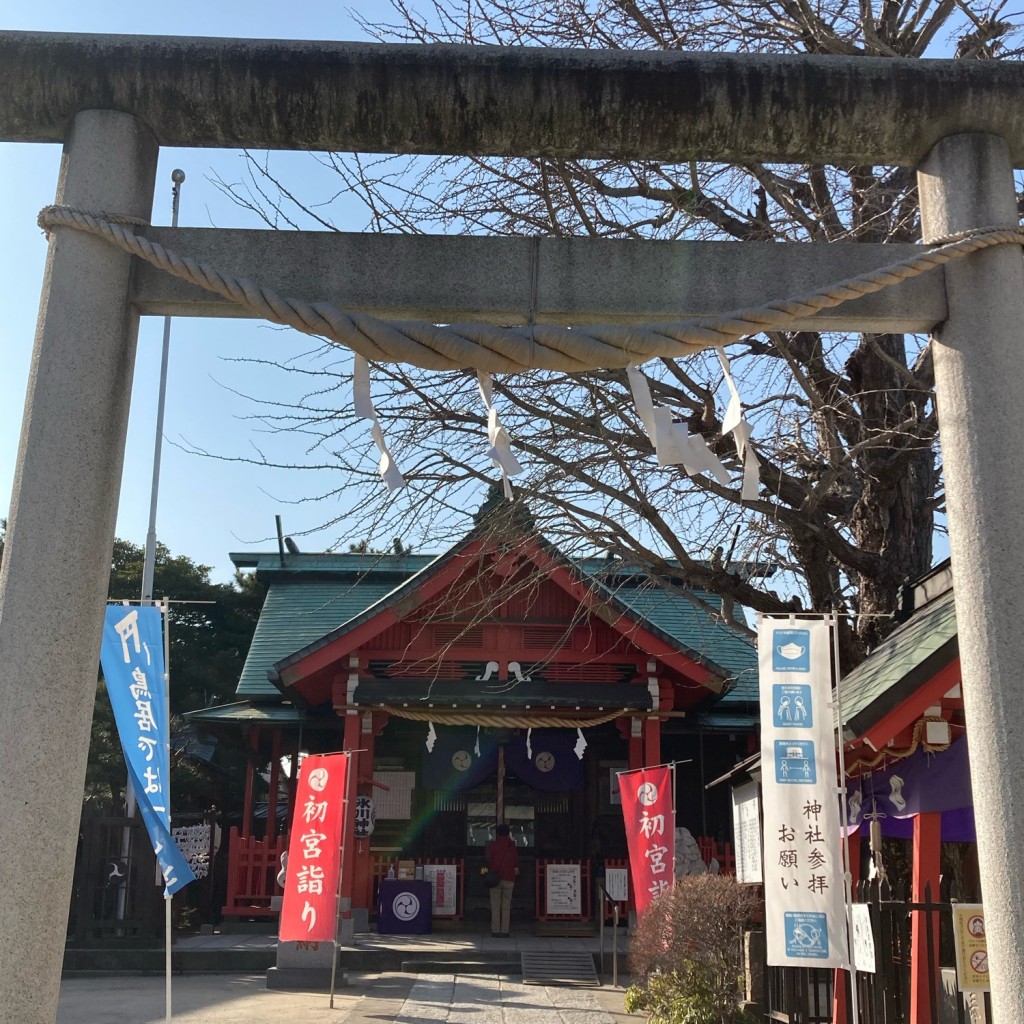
132, 656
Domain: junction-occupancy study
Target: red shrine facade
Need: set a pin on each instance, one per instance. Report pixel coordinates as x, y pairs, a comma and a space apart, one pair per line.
498, 682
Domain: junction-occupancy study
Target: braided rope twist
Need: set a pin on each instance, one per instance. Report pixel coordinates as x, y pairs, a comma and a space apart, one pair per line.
534, 346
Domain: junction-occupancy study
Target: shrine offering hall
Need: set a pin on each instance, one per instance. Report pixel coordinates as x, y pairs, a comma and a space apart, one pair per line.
496, 682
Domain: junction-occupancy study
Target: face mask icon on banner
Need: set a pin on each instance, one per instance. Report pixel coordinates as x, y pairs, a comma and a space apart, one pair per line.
791, 651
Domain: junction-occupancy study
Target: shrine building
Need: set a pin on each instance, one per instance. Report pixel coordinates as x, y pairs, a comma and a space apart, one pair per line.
497, 682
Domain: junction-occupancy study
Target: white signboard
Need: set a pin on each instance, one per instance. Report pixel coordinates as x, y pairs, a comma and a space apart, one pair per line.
443, 879
563, 889
805, 911
616, 884
746, 830
863, 939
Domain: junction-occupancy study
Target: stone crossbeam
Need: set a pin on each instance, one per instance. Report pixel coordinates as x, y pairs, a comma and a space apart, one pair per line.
443, 279
497, 101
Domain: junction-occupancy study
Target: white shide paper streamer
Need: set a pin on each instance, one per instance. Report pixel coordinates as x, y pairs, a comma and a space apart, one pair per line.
674, 445
500, 450
363, 407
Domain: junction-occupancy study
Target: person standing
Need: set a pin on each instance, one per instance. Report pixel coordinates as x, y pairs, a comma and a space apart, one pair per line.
502, 858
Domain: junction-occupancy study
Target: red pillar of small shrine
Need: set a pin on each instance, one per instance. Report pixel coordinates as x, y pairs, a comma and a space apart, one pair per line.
273, 785
363, 890
924, 969
652, 741
250, 779
842, 978
636, 743
348, 854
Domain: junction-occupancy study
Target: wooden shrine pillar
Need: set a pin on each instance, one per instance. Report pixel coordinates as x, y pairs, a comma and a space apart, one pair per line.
252, 745
351, 741
842, 978
924, 925
362, 893
636, 743
273, 783
652, 741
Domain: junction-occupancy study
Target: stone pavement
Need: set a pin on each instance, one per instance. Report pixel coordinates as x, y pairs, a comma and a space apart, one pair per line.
369, 999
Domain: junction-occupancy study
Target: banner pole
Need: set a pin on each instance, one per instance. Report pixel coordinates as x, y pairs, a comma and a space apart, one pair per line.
844, 823
345, 805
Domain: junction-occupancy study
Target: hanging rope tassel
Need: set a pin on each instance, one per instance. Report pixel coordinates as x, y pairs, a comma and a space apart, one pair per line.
500, 450
363, 406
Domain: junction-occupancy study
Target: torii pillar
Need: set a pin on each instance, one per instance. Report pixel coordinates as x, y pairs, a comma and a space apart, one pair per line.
965, 182
56, 567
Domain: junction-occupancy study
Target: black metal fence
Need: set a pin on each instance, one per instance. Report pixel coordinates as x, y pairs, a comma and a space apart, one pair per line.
805, 995
115, 896
118, 897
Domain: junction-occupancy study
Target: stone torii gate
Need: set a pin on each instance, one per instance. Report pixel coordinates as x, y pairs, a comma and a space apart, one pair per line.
111, 101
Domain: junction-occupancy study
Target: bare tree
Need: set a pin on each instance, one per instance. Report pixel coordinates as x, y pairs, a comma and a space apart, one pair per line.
845, 426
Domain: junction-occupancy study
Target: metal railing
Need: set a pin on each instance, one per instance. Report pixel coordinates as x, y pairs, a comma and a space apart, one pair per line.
602, 899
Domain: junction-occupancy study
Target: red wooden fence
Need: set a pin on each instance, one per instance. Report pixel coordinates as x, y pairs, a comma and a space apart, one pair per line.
253, 865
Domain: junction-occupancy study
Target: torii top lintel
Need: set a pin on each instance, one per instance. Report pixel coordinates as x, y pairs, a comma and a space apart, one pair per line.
496, 101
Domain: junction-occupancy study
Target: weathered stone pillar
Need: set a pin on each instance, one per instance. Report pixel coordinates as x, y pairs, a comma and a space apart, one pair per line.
56, 565
966, 182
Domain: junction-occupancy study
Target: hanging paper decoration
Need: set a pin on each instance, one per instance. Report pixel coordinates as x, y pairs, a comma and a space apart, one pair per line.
431, 737
476, 749
529, 748
733, 422
500, 450
673, 443
581, 744
363, 407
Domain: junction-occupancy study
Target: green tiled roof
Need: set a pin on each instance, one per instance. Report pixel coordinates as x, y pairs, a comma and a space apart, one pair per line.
297, 612
910, 655
313, 595
692, 627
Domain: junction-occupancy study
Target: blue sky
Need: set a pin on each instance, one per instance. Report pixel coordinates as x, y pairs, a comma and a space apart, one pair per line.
207, 508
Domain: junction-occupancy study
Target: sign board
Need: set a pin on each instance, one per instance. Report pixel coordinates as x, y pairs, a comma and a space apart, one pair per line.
971, 947
648, 810
443, 879
805, 910
562, 889
616, 884
863, 939
366, 817
746, 830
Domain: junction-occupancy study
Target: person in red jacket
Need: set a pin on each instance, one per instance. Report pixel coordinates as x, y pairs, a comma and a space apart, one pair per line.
502, 857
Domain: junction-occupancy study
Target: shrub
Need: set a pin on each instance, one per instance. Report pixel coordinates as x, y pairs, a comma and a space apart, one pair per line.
687, 953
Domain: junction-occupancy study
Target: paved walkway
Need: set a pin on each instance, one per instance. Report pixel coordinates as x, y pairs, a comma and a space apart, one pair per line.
370, 999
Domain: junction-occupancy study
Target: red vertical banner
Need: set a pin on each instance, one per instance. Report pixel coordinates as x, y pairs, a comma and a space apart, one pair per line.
310, 907
648, 810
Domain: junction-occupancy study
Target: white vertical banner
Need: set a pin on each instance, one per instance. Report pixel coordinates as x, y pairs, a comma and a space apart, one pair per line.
805, 905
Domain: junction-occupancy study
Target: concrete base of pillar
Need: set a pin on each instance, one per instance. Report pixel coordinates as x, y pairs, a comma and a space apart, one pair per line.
305, 979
